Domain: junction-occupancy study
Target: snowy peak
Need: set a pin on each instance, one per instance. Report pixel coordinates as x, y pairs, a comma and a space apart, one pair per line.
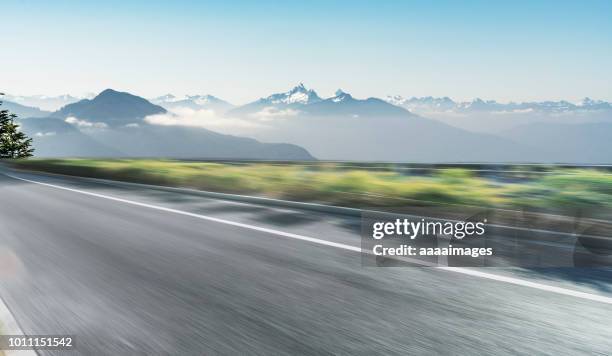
301, 101
299, 88
341, 96
298, 95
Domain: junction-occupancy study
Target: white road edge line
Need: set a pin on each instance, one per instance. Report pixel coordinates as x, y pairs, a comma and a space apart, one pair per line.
9, 326
466, 271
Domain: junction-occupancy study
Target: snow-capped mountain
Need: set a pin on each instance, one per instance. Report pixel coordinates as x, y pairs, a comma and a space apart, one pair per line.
446, 104
341, 96
305, 102
343, 104
195, 102
289, 102
297, 95
343, 127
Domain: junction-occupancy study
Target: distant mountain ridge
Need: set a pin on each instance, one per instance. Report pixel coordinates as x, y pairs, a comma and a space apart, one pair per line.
344, 104
490, 116
445, 104
301, 95
23, 111
194, 102
302, 101
44, 102
295, 98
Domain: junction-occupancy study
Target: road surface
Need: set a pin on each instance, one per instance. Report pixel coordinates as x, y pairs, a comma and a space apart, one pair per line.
143, 274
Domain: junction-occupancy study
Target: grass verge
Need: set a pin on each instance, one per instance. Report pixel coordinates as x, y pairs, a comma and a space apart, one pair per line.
560, 189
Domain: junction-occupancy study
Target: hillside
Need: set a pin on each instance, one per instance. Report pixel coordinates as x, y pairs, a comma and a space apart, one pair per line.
111, 108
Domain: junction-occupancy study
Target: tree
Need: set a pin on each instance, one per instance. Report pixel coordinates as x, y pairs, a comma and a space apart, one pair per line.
13, 143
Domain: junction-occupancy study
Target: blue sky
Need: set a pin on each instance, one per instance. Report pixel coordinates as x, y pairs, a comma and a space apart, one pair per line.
513, 50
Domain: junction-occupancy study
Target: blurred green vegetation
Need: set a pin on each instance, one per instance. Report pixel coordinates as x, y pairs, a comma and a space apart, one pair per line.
351, 185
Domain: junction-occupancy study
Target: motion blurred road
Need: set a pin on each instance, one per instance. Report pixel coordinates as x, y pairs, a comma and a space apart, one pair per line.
129, 279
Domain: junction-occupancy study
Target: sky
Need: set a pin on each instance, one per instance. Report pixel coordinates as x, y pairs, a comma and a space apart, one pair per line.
243, 50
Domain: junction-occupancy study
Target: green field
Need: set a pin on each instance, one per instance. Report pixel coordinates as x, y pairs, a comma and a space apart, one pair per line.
513, 187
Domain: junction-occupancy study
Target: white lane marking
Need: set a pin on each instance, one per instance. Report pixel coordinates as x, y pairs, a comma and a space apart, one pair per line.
199, 216
466, 271
524, 283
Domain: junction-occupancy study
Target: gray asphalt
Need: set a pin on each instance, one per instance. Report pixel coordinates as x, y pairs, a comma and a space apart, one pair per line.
128, 280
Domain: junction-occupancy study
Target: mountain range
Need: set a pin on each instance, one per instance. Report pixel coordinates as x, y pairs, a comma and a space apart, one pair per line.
281, 102
346, 128
445, 104
194, 102
112, 125
490, 116
340, 127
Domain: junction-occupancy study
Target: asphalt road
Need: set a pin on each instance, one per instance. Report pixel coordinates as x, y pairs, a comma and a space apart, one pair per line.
128, 279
